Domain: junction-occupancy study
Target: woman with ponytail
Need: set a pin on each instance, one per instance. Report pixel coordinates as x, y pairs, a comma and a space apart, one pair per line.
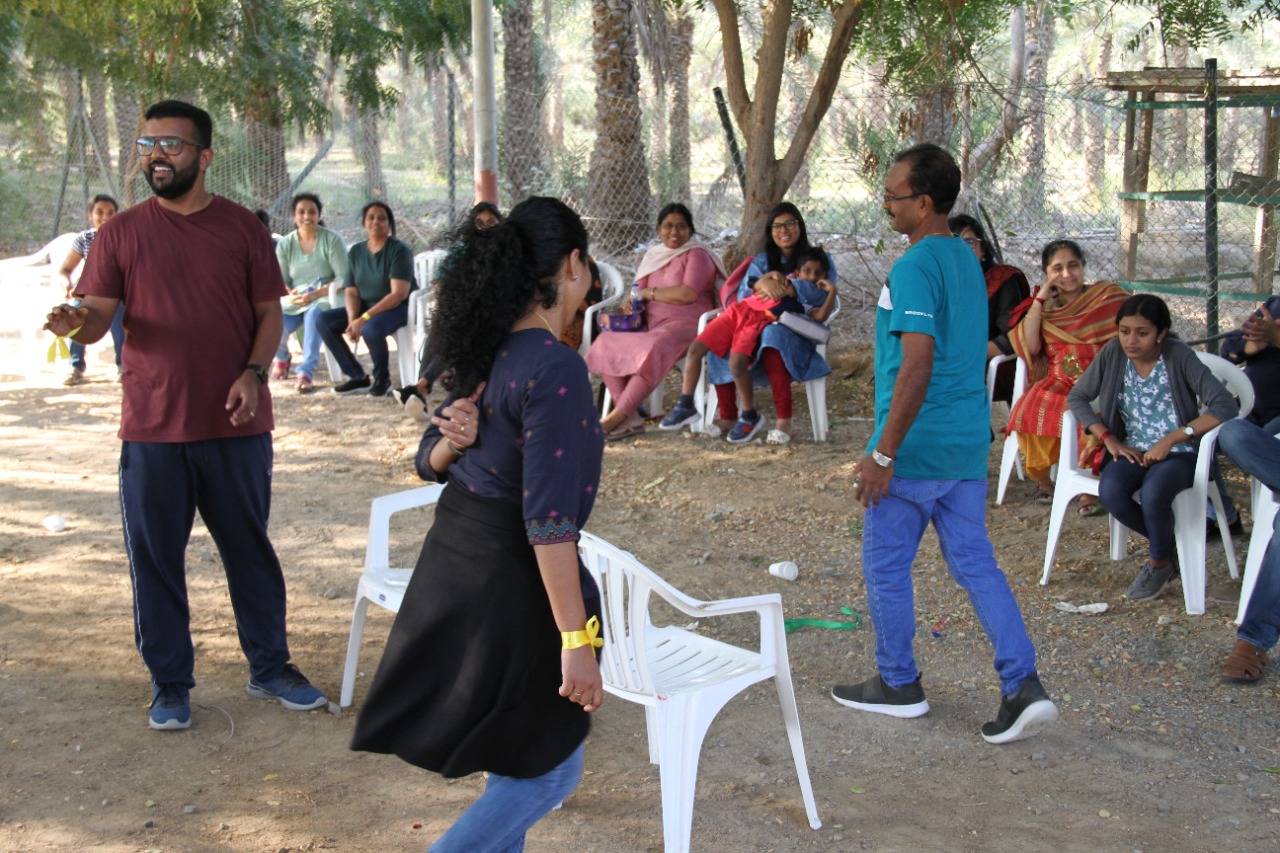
491, 663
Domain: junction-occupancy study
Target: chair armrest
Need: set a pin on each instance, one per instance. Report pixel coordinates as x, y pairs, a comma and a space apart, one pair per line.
378, 552
589, 320
707, 317
992, 367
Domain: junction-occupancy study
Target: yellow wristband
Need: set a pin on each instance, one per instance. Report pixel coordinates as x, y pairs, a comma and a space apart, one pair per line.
365, 316
578, 639
74, 332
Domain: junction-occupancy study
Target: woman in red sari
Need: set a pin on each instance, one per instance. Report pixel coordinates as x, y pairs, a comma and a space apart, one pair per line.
1065, 325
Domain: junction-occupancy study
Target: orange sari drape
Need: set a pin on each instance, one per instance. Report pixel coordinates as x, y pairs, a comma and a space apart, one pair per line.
1070, 338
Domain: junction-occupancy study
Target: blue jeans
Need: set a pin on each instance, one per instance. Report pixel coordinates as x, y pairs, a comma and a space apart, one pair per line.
309, 320
1257, 452
890, 539
497, 822
333, 323
117, 339
1156, 485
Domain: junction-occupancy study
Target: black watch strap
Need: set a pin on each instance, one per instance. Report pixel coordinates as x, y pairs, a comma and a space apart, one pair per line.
258, 371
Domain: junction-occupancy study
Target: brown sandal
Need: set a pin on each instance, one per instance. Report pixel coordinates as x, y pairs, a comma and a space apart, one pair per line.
1245, 662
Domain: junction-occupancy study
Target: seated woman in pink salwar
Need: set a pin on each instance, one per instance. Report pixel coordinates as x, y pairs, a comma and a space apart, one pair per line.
678, 281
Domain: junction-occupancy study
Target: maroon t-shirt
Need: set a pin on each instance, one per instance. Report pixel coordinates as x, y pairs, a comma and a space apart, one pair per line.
188, 284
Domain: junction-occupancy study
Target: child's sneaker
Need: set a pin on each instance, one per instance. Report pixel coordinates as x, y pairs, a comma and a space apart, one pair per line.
746, 428
679, 416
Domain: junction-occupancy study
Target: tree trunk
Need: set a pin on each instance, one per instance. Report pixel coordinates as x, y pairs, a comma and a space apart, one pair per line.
935, 114
1095, 128
522, 129
438, 89
269, 172
618, 178
1039, 46
768, 178
99, 122
1177, 119
406, 103
370, 153
128, 128
681, 54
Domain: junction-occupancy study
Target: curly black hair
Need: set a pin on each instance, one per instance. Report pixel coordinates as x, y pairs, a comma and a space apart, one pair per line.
492, 278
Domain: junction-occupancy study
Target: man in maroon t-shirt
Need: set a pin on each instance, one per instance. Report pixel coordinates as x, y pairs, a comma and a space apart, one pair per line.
201, 288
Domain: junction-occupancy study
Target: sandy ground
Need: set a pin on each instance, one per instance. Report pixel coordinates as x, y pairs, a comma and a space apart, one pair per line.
1152, 752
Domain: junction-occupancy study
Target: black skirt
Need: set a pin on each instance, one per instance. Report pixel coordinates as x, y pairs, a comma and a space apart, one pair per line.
471, 674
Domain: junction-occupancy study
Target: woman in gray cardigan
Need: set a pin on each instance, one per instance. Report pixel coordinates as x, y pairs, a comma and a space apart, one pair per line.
1150, 388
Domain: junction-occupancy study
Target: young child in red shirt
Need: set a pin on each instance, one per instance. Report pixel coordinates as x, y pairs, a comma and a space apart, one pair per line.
736, 333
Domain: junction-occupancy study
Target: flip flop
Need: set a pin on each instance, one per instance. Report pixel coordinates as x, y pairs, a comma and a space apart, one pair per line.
628, 432
1091, 510
1045, 498
777, 438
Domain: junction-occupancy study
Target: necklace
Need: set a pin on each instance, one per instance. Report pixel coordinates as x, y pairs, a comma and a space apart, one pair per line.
545, 323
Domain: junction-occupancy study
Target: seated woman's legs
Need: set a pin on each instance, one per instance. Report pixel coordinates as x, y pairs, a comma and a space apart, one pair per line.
628, 392
375, 333
310, 342
1040, 453
780, 381
291, 324
1142, 499
331, 325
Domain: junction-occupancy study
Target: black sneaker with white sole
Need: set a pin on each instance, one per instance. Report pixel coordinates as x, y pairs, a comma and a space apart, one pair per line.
1021, 715
380, 388
354, 386
879, 698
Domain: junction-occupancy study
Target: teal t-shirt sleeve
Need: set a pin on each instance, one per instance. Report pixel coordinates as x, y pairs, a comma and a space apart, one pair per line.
282, 258
916, 297
402, 262
349, 277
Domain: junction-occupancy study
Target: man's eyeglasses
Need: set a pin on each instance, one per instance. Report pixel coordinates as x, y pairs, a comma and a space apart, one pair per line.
786, 225
170, 145
890, 198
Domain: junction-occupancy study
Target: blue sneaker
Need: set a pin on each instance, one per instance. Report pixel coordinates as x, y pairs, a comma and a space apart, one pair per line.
290, 688
170, 707
678, 417
745, 430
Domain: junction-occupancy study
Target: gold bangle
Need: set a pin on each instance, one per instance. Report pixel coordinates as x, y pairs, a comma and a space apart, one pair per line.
460, 451
365, 316
587, 637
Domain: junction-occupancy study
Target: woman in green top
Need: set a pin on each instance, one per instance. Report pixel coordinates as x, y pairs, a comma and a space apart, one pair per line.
310, 258
378, 281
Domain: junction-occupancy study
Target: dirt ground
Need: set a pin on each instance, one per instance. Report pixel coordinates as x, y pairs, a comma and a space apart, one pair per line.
1152, 752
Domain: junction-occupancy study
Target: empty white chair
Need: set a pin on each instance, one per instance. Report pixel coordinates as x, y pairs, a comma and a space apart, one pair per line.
1188, 507
380, 584
684, 679
1010, 459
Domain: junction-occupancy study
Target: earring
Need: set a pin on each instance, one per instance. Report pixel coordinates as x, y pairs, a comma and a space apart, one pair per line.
576, 277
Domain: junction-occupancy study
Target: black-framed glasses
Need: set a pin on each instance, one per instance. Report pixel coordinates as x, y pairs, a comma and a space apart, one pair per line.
170, 145
786, 225
889, 198
972, 241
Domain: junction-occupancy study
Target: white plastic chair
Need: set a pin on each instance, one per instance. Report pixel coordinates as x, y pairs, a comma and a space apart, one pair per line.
380, 584
1188, 507
1265, 506
684, 679
814, 389
1010, 459
611, 285
406, 354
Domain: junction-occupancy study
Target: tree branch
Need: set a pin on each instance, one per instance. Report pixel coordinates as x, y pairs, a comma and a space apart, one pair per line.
735, 74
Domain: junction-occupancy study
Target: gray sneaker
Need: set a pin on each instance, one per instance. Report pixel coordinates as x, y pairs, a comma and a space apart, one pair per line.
1151, 582
879, 698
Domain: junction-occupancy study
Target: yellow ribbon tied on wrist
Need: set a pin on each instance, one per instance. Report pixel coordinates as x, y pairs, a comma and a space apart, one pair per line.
578, 639
59, 349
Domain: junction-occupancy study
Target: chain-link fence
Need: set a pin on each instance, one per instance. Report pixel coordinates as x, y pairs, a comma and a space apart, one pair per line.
1122, 172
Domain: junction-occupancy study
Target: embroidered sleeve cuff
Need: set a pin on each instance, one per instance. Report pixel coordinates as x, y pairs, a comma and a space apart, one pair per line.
550, 531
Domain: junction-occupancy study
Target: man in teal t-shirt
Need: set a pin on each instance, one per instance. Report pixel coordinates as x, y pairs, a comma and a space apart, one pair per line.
927, 459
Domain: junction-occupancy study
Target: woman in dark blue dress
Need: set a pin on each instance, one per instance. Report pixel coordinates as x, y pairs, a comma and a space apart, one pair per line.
490, 665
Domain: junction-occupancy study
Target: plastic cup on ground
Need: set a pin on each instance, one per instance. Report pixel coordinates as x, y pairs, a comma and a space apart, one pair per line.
786, 570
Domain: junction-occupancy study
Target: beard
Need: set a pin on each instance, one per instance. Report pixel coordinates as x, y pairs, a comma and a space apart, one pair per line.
176, 186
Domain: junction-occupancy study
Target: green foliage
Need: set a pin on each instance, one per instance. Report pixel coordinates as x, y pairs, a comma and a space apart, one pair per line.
1201, 23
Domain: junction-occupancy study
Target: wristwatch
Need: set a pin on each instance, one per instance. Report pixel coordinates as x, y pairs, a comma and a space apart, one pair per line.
881, 460
258, 371
1189, 431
